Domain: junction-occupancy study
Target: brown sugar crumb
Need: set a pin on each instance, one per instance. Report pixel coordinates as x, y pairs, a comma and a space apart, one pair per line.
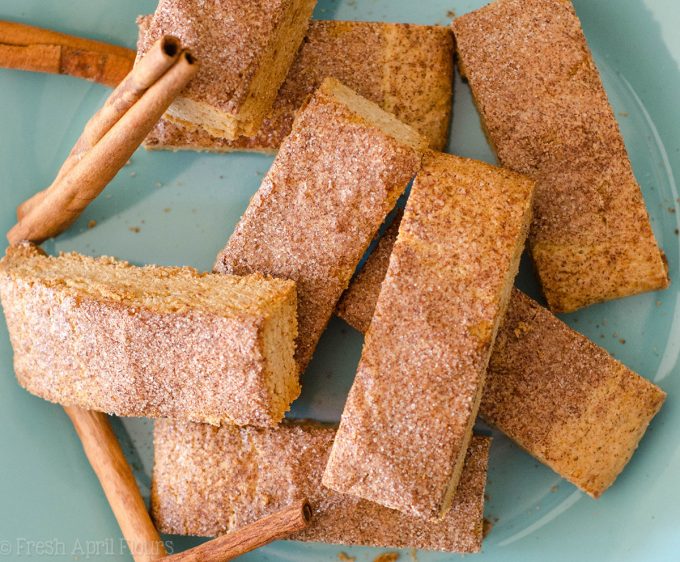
167, 210
91, 223
344, 557
451, 14
387, 557
622, 341
522, 329
135, 229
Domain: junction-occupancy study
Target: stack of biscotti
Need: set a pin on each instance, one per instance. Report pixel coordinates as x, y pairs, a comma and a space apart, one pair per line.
551, 390
406, 69
245, 49
356, 112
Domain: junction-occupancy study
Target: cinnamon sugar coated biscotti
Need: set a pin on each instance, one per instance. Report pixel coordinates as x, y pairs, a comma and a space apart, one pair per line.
406, 69
209, 481
408, 418
546, 113
245, 50
150, 341
334, 180
562, 398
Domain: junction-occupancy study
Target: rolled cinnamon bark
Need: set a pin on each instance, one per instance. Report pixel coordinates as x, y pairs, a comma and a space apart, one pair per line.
25, 47
69, 196
158, 60
263, 531
114, 473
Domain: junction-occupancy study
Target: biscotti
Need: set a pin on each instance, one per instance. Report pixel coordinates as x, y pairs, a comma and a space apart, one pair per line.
336, 177
245, 50
209, 481
150, 341
546, 113
408, 419
406, 69
565, 400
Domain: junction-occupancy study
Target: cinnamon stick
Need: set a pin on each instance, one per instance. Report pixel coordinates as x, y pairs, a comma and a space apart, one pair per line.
155, 63
25, 47
114, 473
273, 527
67, 198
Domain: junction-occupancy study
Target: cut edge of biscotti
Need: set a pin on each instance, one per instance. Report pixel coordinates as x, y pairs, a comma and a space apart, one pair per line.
525, 185
369, 113
273, 66
269, 303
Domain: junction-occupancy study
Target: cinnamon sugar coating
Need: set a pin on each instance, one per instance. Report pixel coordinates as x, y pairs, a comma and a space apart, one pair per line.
333, 182
406, 69
150, 341
209, 481
245, 50
546, 113
409, 415
562, 398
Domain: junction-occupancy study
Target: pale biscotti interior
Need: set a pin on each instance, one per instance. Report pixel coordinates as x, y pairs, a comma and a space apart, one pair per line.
208, 481
245, 51
161, 289
175, 291
406, 69
373, 114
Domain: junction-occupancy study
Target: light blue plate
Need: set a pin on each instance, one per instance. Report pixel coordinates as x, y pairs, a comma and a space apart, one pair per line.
185, 206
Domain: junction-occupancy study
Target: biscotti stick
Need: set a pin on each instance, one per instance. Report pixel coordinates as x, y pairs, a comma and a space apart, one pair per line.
409, 415
150, 341
406, 69
208, 481
245, 49
546, 113
564, 399
336, 177
551, 390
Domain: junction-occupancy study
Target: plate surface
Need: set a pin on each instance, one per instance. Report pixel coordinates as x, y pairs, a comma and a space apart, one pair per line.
179, 209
